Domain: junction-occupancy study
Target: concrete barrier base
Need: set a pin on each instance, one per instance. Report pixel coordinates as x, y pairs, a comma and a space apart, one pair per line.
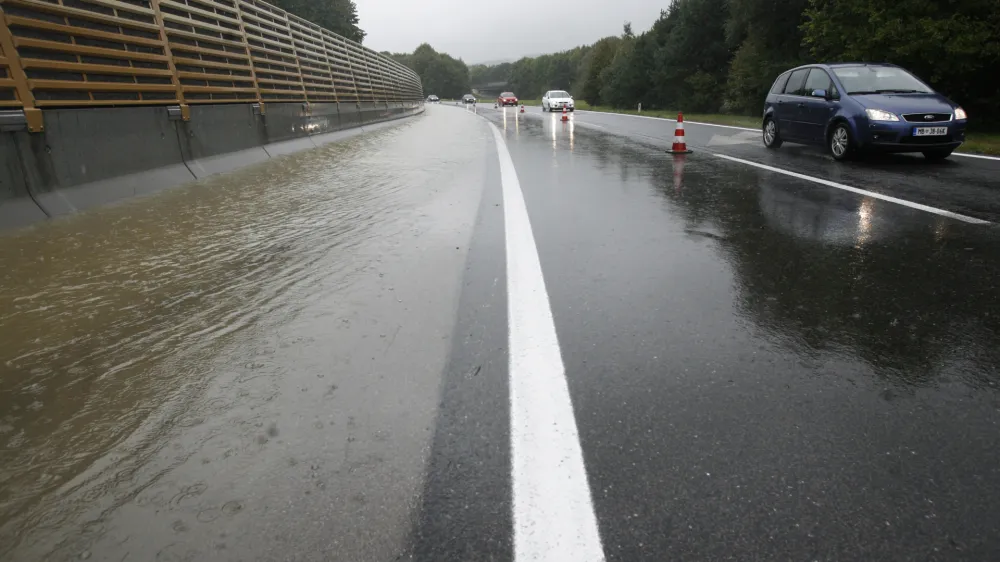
20, 212
212, 165
288, 147
67, 200
92, 157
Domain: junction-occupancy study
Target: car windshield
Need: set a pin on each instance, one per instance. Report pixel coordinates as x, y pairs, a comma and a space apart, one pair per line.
558, 94
879, 80
507, 95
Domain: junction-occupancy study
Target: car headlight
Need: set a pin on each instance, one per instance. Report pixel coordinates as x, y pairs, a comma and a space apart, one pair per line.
960, 113
881, 115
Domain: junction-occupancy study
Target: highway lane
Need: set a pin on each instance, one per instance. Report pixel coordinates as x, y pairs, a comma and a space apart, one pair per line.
543, 341
960, 184
761, 367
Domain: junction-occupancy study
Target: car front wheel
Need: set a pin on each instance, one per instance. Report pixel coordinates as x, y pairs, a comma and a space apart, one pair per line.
772, 139
840, 144
939, 154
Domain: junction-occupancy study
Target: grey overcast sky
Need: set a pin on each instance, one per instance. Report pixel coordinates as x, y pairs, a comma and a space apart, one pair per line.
479, 32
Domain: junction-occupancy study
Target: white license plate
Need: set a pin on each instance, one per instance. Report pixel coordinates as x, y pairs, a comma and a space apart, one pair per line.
930, 131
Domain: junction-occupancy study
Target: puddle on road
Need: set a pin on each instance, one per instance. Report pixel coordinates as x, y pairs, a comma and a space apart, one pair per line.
114, 324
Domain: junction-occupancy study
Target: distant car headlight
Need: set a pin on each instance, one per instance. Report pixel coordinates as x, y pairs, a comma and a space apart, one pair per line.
960, 113
881, 115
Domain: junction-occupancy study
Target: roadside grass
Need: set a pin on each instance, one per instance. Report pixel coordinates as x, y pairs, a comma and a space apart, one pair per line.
981, 143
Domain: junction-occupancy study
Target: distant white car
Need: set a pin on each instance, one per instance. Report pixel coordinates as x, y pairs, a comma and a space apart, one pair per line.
556, 100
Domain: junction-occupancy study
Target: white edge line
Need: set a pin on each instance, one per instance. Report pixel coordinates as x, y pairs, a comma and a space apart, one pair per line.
962, 154
936, 211
980, 156
553, 513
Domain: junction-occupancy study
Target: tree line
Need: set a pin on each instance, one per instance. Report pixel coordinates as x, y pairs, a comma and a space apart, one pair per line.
338, 16
723, 55
441, 74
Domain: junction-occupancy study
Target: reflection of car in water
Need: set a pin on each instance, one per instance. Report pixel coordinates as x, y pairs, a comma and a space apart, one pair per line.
468, 98
855, 107
825, 218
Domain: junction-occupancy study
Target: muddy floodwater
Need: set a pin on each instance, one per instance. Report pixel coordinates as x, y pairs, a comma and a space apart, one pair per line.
181, 376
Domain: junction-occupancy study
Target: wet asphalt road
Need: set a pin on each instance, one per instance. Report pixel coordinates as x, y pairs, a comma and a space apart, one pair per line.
761, 367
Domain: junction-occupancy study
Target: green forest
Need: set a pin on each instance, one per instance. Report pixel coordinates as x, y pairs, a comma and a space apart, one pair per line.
441, 74
338, 16
711, 56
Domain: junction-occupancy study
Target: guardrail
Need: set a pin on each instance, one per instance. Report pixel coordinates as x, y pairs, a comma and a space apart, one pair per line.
93, 53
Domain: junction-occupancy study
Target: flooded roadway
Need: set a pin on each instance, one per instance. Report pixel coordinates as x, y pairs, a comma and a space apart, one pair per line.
308, 360
256, 347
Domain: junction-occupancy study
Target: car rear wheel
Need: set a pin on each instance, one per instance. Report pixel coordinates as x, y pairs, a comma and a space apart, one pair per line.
940, 154
771, 137
840, 143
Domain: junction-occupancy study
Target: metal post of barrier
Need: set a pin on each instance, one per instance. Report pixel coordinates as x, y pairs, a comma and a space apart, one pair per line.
174, 79
32, 115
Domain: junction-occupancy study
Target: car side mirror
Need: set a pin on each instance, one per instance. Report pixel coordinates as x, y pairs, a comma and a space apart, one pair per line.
820, 94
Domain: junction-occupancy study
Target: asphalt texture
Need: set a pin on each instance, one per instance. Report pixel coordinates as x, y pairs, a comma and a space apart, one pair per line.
762, 366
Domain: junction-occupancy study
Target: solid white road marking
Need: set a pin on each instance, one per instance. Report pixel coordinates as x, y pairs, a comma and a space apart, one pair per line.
554, 518
872, 194
980, 156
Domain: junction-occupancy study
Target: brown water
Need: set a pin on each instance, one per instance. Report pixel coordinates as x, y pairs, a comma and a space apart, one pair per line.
115, 324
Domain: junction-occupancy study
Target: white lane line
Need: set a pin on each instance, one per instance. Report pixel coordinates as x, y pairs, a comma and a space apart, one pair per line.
872, 194
980, 156
554, 518
666, 119
962, 154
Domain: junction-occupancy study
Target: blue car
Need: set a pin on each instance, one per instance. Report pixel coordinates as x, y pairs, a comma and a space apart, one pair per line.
857, 107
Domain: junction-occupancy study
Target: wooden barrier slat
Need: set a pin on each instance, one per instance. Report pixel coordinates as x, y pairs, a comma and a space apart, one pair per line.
87, 50
209, 64
193, 10
86, 68
61, 10
198, 37
218, 6
114, 4
80, 103
263, 70
276, 81
198, 23
98, 86
218, 90
216, 77
211, 52
253, 47
81, 31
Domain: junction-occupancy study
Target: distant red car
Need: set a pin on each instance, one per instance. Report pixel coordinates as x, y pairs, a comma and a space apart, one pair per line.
507, 98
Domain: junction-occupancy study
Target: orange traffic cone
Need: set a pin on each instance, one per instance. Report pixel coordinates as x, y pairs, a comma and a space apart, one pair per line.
680, 144
565, 115
522, 108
